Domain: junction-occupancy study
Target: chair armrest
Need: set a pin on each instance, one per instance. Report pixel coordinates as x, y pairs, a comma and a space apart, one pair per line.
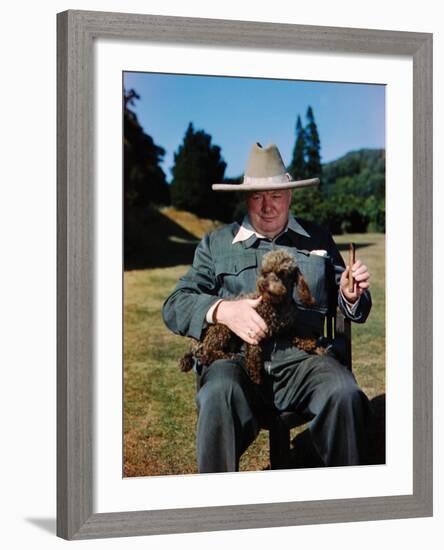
343, 337
338, 331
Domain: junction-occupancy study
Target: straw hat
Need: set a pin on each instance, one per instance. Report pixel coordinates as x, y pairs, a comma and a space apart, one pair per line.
265, 172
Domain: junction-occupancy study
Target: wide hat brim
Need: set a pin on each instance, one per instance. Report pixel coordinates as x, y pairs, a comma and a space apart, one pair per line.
264, 186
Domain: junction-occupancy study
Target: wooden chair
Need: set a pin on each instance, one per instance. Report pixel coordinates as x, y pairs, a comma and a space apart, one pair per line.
337, 327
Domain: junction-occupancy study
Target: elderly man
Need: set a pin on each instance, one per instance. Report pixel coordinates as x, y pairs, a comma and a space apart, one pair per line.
225, 266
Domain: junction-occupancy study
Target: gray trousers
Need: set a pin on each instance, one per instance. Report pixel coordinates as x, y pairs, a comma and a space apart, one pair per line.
319, 387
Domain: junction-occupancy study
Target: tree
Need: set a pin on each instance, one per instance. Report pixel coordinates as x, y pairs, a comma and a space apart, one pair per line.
313, 147
297, 167
352, 198
144, 181
197, 165
143, 178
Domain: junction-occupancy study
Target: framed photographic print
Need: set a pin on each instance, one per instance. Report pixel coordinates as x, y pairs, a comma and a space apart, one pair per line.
105, 488
178, 118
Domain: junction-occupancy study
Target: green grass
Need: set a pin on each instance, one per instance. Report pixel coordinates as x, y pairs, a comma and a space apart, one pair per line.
159, 400
369, 339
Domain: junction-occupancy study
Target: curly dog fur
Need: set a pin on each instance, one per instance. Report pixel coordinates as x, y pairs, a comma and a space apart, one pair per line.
279, 277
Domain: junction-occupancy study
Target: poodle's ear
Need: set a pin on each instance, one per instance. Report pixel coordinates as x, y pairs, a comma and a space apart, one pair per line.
303, 290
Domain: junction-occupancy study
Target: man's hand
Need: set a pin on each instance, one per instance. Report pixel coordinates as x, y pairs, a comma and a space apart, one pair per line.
240, 316
361, 281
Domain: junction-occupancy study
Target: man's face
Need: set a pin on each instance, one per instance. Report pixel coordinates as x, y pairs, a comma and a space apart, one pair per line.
268, 211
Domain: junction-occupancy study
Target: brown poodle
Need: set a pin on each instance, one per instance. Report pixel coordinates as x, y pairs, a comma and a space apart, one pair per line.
278, 278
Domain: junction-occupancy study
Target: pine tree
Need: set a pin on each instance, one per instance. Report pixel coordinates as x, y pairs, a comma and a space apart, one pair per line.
197, 165
144, 183
297, 167
313, 147
143, 178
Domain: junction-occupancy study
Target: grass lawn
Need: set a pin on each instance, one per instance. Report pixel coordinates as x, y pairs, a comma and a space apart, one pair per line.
159, 406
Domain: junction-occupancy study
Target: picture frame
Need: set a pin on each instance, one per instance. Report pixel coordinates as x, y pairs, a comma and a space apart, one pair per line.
76, 33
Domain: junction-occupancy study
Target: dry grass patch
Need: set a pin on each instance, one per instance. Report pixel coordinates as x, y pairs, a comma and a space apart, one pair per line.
190, 222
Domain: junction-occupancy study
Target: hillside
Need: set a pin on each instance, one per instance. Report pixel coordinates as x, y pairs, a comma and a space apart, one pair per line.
162, 237
364, 164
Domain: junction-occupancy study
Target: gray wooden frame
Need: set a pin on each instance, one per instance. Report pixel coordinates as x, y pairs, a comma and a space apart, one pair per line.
76, 32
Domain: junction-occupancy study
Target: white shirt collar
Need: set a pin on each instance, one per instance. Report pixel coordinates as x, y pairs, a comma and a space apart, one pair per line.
246, 230
244, 233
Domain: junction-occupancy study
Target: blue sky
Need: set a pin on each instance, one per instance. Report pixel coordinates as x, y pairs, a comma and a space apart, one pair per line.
237, 112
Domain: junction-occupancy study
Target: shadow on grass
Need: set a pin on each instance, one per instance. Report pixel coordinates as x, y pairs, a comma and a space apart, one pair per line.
304, 455
154, 240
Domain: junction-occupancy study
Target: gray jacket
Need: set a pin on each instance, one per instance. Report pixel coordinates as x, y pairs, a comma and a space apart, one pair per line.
222, 269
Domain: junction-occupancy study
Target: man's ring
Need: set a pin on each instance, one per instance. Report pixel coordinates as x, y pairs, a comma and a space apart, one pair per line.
251, 333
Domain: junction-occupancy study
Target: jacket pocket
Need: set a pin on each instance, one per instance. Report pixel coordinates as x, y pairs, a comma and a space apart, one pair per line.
317, 272
236, 274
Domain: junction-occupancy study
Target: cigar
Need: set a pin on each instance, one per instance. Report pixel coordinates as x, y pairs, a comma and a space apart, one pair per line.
351, 261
